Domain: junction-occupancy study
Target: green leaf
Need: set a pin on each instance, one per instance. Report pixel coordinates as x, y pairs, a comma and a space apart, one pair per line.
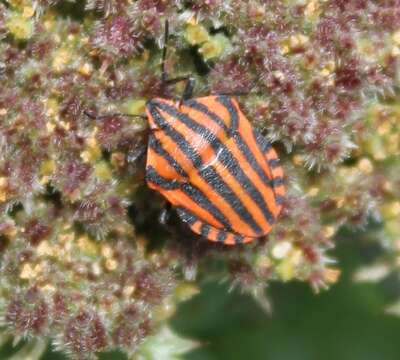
32, 350
166, 345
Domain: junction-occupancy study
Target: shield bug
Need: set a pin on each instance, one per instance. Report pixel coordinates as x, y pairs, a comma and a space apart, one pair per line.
221, 175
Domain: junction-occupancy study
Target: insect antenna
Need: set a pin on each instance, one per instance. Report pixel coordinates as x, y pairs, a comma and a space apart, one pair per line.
164, 75
250, 91
101, 117
241, 93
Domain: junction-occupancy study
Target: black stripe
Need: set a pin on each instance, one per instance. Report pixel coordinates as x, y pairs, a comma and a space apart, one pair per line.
154, 177
200, 199
179, 140
245, 150
226, 159
193, 104
274, 163
238, 239
157, 147
221, 236
279, 199
186, 216
226, 101
191, 191
277, 181
205, 229
225, 156
208, 173
262, 142
196, 195
243, 147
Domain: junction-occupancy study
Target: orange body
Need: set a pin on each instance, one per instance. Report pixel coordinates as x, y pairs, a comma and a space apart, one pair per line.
222, 176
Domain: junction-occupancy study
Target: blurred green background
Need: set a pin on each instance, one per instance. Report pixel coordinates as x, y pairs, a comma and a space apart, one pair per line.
346, 322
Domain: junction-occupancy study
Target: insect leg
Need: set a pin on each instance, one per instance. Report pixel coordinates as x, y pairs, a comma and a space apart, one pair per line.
176, 80
189, 86
165, 214
188, 92
164, 75
241, 93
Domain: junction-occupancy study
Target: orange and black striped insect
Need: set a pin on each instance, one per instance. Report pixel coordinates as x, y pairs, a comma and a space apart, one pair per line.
220, 174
